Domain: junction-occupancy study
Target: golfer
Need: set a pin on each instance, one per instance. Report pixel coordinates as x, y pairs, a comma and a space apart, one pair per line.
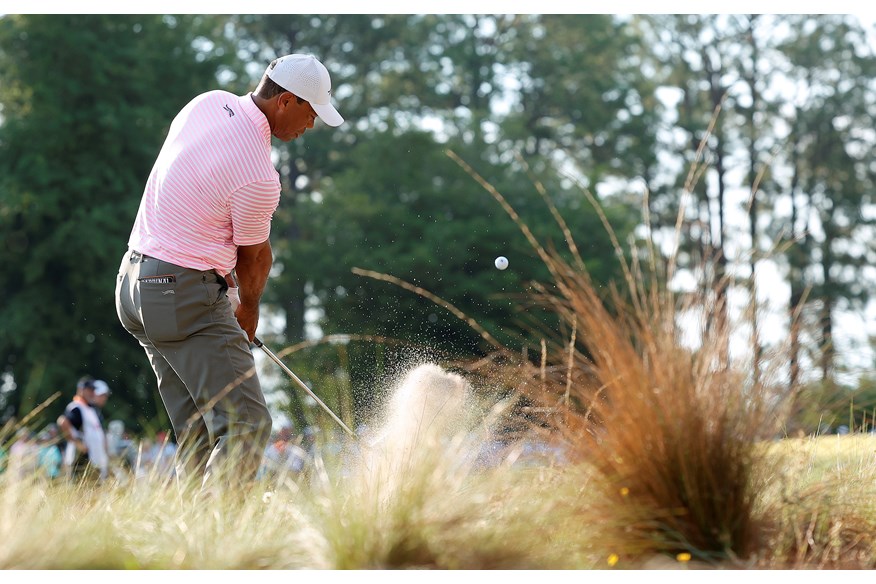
203, 228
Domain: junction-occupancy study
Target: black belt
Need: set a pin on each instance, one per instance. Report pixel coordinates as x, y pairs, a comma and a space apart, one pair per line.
136, 257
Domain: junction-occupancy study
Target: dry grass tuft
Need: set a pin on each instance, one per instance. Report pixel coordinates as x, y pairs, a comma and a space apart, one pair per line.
671, 435
416, 497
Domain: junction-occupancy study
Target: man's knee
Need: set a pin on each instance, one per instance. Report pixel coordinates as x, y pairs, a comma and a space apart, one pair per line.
254, 420
263, 425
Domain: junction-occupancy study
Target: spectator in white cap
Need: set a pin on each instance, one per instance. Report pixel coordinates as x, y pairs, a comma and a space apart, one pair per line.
198, 258
101, 395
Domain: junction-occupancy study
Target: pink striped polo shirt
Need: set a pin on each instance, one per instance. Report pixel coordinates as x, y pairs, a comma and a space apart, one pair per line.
213, 186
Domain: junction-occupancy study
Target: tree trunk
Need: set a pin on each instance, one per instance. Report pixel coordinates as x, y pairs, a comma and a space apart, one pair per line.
795, 276
826, 316
751, 80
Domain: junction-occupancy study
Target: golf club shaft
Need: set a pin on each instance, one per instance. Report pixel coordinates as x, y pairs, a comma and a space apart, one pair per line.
301, 384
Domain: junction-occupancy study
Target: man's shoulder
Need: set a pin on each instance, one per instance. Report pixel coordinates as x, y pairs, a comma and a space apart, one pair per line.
216, 95
209, 99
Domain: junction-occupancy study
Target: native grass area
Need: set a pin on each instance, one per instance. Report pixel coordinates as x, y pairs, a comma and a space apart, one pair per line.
617, 447
437, 508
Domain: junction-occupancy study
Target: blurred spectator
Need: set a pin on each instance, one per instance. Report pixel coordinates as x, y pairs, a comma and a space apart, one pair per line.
23, 454
48, 454
283, 455
85, 454
116, 439
101, 395
162, 455
144, 451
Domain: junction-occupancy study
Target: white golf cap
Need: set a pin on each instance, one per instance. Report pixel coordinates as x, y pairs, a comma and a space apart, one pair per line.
100, 387
307, 78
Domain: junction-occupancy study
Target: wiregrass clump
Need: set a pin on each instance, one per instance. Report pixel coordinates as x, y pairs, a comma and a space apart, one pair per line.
672, 436
140, 519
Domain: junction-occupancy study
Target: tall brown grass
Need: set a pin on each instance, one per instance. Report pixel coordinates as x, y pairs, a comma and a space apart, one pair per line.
670, 436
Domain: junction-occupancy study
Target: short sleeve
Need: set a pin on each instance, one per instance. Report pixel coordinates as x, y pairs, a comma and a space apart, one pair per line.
252, 207
74, 414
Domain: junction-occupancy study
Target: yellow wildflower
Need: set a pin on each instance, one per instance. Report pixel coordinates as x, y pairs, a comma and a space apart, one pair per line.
624, 491
612, 560
683, 557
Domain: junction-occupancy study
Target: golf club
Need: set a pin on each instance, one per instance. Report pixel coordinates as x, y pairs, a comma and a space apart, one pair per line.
258, 343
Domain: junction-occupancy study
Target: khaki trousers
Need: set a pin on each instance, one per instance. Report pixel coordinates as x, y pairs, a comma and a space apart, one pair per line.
203, 362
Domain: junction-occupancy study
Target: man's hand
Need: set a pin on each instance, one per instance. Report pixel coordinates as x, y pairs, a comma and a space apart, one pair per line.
248, 319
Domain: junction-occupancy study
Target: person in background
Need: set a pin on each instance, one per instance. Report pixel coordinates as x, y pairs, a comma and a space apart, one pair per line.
163, 454
283, 456
23, 454
49, 457
101, 395
85, 457
118, 443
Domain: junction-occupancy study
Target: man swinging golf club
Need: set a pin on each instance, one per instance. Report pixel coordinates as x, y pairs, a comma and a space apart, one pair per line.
205, 218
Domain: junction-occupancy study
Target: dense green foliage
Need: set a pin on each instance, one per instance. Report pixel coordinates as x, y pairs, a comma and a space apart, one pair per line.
86, 103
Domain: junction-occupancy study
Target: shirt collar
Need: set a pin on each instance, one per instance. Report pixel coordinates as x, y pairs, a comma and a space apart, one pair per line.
255, 115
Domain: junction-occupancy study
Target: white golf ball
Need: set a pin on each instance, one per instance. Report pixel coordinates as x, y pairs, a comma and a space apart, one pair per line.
501, 262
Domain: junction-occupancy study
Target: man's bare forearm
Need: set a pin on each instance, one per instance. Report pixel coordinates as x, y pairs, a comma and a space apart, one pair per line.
253, 266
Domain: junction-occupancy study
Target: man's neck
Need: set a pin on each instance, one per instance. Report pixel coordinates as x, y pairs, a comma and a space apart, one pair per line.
264, 106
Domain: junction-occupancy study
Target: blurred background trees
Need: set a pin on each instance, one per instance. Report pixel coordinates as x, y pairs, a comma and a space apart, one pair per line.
750, 133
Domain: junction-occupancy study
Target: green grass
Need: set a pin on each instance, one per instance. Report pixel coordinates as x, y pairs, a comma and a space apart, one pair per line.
851, 457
